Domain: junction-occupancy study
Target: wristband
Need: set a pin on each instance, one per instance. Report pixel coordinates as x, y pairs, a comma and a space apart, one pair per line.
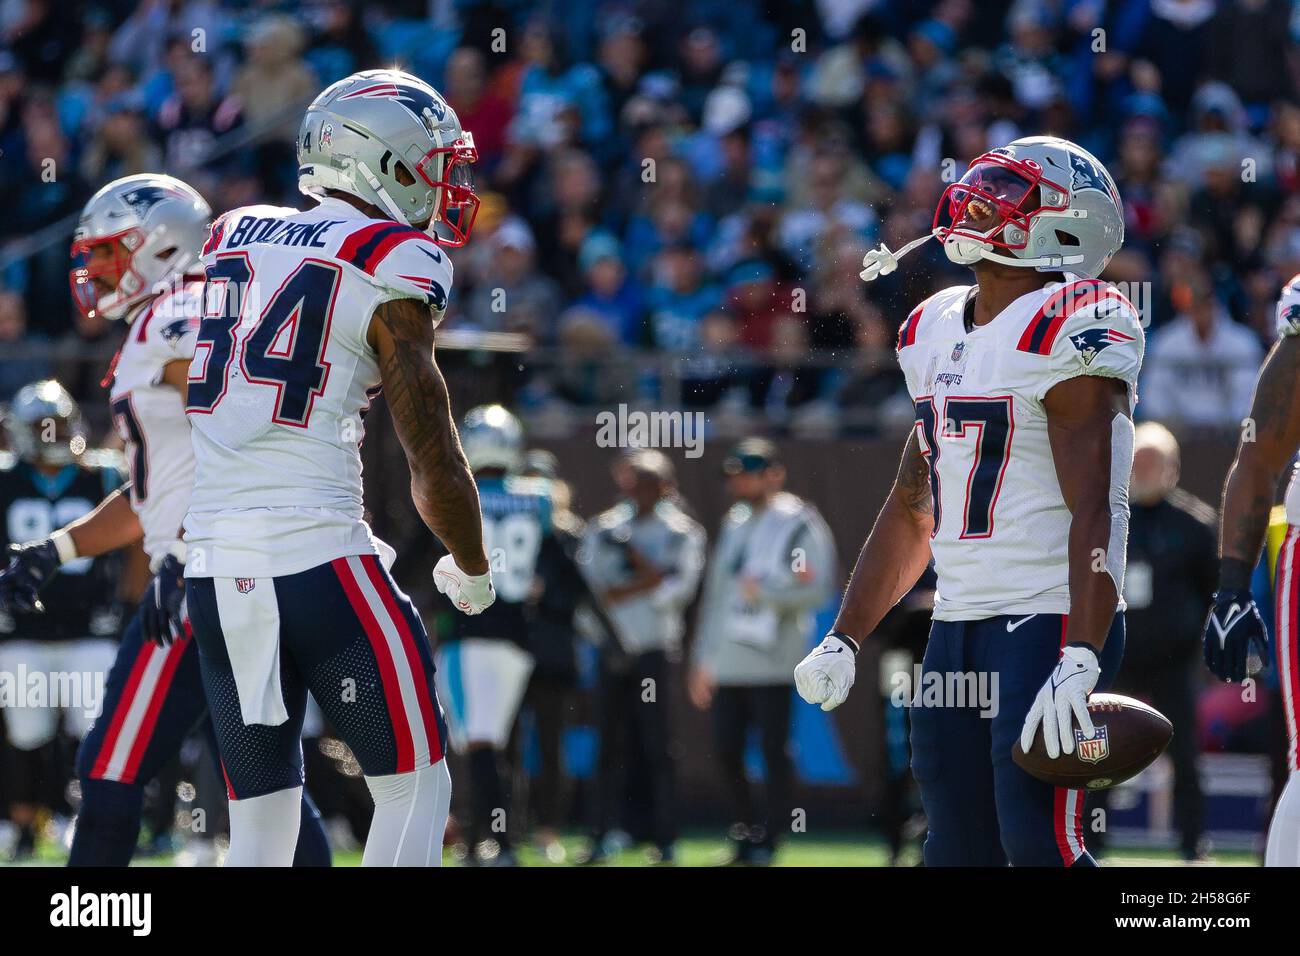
845, 638
64, 545
1235, 574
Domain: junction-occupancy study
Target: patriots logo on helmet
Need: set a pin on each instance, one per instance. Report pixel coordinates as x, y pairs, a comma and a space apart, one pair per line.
1085, 174
1091, 341
144, 198
413, 98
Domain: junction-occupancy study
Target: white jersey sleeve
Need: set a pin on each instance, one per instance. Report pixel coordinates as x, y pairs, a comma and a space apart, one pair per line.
174, 326
414, 267
1288, 323
1099, 333
401, 263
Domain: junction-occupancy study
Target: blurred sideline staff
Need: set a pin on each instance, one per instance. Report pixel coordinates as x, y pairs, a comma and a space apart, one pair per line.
772, 566
643, 559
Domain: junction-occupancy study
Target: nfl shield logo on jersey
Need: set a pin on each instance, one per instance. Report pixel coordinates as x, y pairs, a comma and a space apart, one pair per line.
244, 585
958, 351
1092, 749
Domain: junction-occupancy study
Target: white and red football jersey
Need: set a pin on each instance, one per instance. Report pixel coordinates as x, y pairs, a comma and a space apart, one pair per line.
1288, 323
150, 416
282, 375
1001, 523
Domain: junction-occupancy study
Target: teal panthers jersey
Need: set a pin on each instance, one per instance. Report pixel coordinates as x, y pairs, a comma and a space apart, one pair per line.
516, 522
81, 600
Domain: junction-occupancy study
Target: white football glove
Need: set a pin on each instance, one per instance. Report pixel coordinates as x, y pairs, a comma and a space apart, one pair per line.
1065, 693
826, 674
471, 593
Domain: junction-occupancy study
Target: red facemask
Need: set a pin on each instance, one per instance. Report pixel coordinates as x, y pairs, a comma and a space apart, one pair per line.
116, 268
997, 191
457, 204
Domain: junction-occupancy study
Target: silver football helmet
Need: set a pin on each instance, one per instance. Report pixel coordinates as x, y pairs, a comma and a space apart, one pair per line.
389, 138
492, 438
1041, 202
135, 235
43, 425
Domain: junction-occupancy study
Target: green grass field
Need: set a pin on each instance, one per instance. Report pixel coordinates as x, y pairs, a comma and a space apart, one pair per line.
709, 850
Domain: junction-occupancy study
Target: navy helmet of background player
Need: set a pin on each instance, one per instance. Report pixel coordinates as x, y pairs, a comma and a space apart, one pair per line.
43, 426
492, 439
135, 236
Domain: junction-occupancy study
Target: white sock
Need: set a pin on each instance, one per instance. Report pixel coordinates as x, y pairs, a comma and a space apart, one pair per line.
1284, 831
410, 817
264, 830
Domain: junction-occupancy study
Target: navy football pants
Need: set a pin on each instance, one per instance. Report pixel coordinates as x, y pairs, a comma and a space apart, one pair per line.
982, 809
351, 637
153, 700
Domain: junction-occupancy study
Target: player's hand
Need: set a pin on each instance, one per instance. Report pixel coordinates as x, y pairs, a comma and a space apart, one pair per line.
471, 593
162, 619
1065, 693
1236, 640
28, 568
826, 674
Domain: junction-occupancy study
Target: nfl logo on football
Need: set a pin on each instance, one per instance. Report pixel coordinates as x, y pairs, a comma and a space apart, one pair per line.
1092, 749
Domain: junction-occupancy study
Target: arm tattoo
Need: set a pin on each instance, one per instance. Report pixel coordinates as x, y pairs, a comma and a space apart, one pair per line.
441, 484
913, 480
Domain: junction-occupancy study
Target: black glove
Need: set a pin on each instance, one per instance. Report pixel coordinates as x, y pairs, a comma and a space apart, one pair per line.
160, 616
1235, 637
30, 566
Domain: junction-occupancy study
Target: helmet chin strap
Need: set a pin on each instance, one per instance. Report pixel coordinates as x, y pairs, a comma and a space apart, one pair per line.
965, 251
386, 200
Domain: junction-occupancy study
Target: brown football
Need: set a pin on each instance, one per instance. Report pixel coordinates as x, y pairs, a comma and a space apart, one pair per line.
1130, 734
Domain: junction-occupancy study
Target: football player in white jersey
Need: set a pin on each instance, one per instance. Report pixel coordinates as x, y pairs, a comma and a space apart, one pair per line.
1236, 640
307, 314
135, 255
1014, 480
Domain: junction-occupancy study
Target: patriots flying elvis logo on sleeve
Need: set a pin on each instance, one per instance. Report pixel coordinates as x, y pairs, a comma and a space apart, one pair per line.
172, 331
1292, 316
1091, 341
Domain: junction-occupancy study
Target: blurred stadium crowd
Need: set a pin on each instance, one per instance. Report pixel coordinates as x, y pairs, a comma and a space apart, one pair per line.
697, 183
